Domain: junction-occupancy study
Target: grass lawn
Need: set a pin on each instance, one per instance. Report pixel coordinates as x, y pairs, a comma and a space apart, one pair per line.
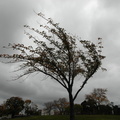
79, 117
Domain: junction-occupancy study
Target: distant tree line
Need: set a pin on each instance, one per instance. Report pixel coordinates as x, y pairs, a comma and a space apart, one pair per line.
98, 103
58, 106
15, 106
94, 103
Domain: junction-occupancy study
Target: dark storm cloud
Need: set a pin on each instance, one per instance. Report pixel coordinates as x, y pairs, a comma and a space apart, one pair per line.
89, 19
13, 15
106, 24
9, 88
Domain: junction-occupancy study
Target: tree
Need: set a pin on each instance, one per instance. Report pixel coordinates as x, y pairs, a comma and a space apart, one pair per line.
60, 56
98, 95
2, 109
77, 108
89, 107
48, 107
34, 109
60, 105
14, 105
30, 108
105, 110
27, 106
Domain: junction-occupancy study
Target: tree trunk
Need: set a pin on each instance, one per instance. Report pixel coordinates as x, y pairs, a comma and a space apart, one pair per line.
72, 114
13, 115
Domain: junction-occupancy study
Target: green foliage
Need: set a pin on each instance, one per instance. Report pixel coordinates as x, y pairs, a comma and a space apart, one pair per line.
14, 105
77, 109
30, 108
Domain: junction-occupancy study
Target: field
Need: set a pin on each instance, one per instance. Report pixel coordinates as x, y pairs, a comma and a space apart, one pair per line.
80, 117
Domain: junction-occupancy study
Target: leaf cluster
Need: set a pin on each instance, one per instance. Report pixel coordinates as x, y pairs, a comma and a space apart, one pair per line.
58, 54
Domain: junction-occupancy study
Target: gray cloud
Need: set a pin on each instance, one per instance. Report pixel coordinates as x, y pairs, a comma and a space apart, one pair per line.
13, 15
88, 19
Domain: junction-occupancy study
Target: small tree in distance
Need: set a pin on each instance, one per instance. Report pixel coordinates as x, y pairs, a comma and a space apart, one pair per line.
27, 106
48, 107
58, 56
14, 105
60, 105
98, 95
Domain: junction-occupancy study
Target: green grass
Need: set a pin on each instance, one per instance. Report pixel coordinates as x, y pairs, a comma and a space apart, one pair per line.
79, 117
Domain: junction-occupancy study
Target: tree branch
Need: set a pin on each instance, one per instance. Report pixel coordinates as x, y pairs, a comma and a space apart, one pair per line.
51, 77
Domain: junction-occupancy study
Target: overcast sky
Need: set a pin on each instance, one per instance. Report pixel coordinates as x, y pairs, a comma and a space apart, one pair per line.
89, 19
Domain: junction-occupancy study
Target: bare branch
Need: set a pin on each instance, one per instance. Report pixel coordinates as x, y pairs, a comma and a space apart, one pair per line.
58, 55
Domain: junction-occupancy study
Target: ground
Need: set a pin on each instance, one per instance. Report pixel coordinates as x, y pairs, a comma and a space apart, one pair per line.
79, 117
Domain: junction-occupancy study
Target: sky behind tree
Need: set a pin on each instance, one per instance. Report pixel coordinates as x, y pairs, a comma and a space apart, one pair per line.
89, 19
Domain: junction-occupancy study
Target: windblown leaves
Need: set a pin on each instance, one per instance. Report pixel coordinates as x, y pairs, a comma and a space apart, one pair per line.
98, 95
58, 54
